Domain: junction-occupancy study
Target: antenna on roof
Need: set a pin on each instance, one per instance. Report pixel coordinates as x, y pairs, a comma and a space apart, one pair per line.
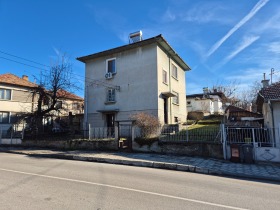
135, 37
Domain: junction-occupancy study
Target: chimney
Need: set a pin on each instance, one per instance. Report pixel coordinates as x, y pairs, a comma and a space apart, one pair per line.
265, 82
205, 92
25, 77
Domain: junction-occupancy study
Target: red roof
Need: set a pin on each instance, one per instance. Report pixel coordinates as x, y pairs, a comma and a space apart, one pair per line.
12, 79
271, 92
67, 95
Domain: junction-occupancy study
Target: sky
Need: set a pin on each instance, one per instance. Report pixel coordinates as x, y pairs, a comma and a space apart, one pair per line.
221, 40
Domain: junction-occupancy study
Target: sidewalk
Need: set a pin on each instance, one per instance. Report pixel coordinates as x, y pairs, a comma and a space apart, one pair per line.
264, 171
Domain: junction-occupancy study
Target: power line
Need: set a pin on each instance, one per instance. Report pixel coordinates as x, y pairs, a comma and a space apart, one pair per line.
23, 63
23, 59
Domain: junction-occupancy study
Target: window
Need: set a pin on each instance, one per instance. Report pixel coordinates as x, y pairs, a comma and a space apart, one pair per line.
75, 106
175, 99
111, 66
58, 105
4, 117
111, 96
164, 76
188, 102
174, 71
5, 94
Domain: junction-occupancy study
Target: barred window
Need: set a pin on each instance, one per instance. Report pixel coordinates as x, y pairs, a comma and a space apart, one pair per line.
111, 95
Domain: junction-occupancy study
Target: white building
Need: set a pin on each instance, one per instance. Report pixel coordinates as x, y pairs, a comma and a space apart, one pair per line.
144, 76
209, 103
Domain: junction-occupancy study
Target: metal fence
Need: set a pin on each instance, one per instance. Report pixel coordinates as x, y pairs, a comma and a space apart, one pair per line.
101, 132
11, 131
263, 137
205, 134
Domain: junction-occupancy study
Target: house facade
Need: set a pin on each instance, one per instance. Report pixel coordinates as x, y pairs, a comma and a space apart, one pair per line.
16, 97
144, 76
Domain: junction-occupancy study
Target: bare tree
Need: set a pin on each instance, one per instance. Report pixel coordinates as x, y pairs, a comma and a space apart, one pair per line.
54, 86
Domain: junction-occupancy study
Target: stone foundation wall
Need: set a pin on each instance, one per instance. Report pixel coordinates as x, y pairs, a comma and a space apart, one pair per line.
212, 150
73, 144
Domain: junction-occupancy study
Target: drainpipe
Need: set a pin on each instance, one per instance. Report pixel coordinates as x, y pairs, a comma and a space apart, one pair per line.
170, 101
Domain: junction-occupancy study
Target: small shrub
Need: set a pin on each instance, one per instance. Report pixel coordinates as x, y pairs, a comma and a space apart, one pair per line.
148, 124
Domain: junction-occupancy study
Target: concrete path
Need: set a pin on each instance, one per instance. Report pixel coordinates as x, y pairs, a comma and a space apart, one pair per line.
264, 171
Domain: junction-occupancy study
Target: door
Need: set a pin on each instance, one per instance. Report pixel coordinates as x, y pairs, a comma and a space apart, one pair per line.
165, 110
110, 120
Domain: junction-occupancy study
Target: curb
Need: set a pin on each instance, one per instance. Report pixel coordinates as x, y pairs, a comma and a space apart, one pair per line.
148, 164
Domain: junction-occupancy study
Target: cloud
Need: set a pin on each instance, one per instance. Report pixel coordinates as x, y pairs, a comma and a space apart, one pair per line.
244, 20
204, 13
168, 16
246, 42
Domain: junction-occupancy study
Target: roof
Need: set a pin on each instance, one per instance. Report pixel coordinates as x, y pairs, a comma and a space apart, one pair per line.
67, 95
159, 40
12, 79
200, 95
232, 108
271, 92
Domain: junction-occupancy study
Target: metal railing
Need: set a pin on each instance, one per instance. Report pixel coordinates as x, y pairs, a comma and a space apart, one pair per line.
101, 132
10, 131
172, 134
262, 136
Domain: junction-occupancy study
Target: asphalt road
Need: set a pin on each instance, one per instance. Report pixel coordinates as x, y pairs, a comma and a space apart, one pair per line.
39, 183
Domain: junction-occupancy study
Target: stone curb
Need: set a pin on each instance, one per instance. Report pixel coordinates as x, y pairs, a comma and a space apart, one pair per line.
148, 164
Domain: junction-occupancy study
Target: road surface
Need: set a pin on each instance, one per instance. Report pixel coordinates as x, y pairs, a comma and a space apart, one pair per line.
41, 183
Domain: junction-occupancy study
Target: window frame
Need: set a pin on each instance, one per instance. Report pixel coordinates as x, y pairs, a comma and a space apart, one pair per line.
111, 95
8, 117
175, 99
107, 65
5, 94
174, 74
164, 77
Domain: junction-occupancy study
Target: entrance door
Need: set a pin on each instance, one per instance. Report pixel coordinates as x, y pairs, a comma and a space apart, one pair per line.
165, 110
110, 119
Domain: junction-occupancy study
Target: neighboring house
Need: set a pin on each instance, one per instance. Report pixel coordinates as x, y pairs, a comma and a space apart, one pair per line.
235, 113
144, 76
16, 97
268, 103
206, 103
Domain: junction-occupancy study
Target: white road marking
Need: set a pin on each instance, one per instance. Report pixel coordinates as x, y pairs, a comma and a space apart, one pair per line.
125, 188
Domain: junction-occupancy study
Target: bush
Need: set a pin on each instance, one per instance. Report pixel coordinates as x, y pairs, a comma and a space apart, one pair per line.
148, 124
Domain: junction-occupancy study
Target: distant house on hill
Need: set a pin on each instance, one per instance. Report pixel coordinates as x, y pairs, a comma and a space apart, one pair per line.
206, 103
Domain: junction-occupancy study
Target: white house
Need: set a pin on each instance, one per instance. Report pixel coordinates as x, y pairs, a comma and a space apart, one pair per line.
143, 76
207, 103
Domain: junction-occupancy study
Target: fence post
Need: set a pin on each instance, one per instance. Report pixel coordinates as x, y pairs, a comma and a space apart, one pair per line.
0, 134
89, 131
254, 143
224, 140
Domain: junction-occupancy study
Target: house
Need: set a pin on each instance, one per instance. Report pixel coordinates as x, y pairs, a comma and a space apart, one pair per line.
16, 97
235, 114
143, 76
268, 103
203, 104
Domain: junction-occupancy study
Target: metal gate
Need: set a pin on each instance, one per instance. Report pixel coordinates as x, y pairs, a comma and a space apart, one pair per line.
125, 136
264, 142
